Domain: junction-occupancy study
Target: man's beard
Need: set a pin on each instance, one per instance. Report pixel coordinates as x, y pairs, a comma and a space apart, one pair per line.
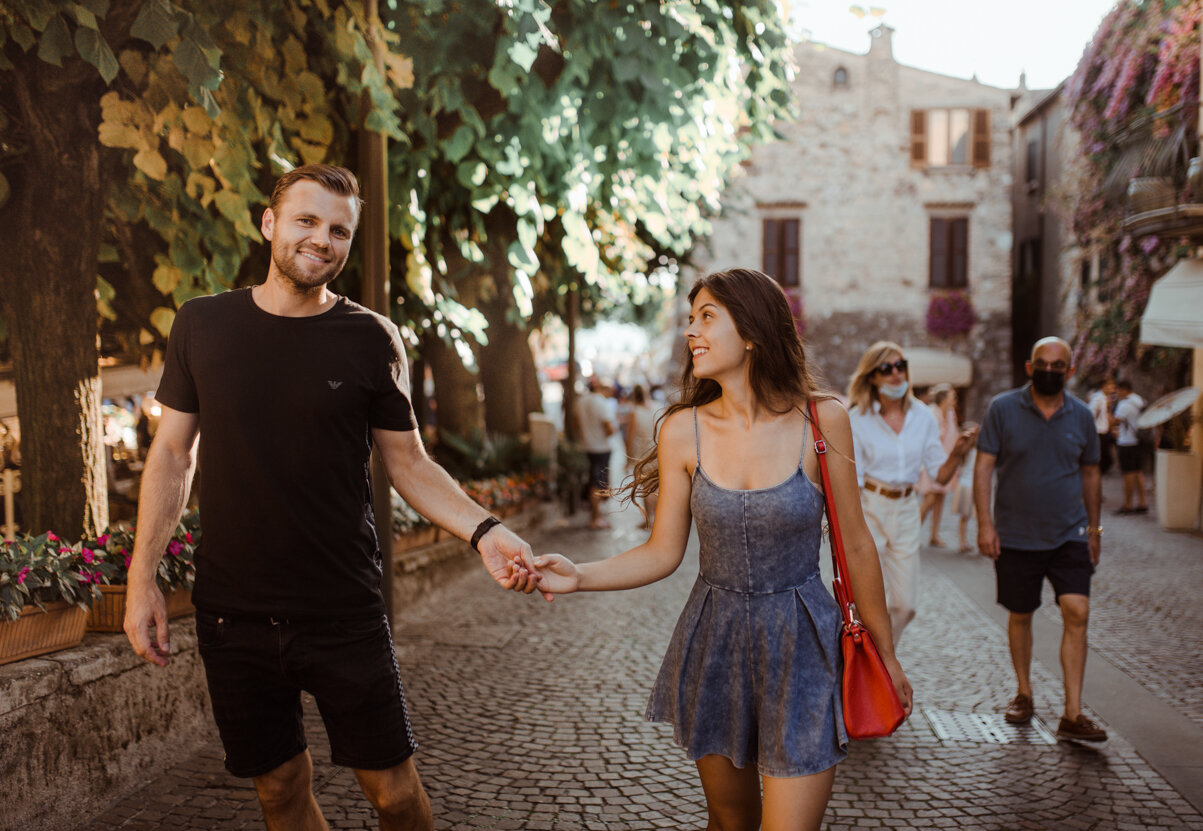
302, 279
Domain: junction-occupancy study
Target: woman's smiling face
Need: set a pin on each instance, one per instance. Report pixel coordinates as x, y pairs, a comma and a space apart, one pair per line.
714, 342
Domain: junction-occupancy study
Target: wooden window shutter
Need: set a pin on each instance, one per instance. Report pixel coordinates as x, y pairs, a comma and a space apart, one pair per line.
938, 256
791, 252
771, 259
918, 138
981, 138
959, 273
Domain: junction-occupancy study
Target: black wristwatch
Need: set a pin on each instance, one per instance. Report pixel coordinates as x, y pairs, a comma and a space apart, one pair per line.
481, 530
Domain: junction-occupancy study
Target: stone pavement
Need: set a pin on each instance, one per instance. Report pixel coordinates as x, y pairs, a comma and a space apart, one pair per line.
530, 713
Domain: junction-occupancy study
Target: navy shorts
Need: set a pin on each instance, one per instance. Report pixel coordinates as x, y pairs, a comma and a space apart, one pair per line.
257, 668
1131, 457
1021, 574
599, 471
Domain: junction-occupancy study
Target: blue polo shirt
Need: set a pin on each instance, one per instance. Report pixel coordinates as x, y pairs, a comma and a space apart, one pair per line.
1038, 500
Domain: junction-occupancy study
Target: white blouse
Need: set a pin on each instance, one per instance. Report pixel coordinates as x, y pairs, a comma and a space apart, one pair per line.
895, 459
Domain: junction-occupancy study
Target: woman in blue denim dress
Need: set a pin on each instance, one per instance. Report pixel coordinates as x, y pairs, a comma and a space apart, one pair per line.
750, 681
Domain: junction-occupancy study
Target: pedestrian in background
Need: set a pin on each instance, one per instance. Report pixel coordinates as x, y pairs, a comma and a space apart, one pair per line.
1044, 446
1102, 405
288, 387
896, 437
640, 440
963, 501
751, 679
1128, 407
944, 407
595, 425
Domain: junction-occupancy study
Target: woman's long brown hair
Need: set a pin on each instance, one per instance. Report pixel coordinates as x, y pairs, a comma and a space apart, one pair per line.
777, 368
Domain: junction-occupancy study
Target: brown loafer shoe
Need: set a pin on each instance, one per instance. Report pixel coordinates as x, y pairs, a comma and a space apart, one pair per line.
1081, 729
1019, 711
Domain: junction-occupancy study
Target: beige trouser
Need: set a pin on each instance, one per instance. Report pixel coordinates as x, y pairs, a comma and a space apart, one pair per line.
894, 524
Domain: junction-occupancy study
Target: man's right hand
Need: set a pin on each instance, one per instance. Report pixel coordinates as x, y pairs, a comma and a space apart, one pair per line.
987, 540
144, 609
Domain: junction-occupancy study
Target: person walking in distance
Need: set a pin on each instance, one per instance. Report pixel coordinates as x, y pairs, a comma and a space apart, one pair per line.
1129, 449
944, 407
640, 440
1102, 404
595, 426
896, 437
1044, 522
751, 679
288, 387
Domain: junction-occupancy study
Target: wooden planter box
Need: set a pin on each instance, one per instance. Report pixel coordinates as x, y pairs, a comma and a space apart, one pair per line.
108, 613
36, 632
424, 535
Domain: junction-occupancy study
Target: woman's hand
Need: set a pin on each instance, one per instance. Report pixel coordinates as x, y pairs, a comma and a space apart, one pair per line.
557, 574
901, 685
965, 442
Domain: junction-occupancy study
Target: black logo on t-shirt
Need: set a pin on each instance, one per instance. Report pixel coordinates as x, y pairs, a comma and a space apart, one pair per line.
334, 384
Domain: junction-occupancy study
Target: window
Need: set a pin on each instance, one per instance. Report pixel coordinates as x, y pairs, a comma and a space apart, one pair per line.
840, 79
1032, 174
952, 137
782, 250
949, 255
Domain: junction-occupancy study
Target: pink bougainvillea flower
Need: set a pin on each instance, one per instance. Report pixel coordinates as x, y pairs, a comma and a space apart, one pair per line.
127, 559
89, 555
188, 536
102, 540
21, 575
174, 548
50, 536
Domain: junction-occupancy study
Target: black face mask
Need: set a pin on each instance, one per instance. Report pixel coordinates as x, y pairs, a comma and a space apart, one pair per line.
1048, 382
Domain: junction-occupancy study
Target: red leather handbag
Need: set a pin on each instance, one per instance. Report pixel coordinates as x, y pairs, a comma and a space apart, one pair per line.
871, 705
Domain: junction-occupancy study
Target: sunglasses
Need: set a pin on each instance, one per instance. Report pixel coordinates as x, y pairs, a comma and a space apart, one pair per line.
885, 369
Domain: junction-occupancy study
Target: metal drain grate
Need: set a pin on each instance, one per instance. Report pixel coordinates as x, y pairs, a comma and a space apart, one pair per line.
990, 728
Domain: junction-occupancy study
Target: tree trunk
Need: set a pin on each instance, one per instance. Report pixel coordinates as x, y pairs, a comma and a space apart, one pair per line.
507, 371
47, 287
457, 404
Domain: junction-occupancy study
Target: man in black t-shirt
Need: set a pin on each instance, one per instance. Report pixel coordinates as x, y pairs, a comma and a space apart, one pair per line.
288, 387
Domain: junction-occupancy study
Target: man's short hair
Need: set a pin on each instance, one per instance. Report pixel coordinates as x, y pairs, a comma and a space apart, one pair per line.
336, 179
1124, 383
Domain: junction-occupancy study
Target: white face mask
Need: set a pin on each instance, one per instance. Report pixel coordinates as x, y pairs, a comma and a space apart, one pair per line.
893, 391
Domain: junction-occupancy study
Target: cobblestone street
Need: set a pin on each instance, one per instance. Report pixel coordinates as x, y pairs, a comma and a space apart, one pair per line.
530, 714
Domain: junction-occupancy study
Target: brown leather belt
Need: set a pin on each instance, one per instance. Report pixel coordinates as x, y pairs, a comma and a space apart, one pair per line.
888, 493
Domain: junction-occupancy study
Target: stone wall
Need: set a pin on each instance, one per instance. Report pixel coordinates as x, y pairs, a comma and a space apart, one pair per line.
87, 725
844, 170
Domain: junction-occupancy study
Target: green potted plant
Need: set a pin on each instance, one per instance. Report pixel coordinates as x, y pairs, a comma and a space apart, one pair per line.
176, 573
46, 587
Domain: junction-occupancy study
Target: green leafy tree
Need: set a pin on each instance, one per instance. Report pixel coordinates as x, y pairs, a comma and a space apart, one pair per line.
136, 136
560, 147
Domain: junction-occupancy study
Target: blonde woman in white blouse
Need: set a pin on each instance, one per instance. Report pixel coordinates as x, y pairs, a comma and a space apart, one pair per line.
895, 437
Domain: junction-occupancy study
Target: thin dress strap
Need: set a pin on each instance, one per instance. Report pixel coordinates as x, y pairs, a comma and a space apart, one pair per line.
697, 444
805, 430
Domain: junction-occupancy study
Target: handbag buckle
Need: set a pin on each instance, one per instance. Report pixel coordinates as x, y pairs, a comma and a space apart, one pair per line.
820, 446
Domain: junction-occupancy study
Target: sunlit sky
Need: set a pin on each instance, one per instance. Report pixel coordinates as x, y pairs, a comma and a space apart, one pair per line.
996, 40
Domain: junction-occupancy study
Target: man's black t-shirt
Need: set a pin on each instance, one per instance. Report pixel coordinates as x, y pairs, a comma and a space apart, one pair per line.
286, 405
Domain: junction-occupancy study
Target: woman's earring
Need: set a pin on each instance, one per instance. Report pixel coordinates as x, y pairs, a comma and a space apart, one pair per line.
748, 347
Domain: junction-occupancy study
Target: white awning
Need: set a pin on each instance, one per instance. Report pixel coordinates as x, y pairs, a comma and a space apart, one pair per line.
115, 382
1174, 314
938, 366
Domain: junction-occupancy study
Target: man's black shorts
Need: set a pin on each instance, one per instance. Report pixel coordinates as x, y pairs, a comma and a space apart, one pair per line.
1131, 457
1021, 574
599, 471
256, 669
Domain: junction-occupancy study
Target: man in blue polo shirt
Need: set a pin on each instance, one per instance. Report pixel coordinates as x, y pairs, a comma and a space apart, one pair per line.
1045, 520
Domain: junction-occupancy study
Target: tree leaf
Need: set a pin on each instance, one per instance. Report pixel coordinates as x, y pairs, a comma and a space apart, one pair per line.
520, 256
22, 35
162, 318
191, 60
197, 121
55, 43
461, 141
83, 16
95, 50
166, 277
37, 12
113, 134
198, 151
151, 163
400, 70
156, 23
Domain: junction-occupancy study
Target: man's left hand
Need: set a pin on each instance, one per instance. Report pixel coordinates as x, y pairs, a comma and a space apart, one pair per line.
498, 549
1096, 545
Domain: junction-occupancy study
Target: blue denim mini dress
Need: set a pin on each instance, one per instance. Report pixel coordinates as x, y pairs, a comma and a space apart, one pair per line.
752, 671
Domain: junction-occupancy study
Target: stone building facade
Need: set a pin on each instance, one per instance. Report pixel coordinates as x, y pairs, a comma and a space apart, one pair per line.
892, 187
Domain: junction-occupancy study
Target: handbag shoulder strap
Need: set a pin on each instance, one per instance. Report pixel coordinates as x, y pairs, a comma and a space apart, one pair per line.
842, 586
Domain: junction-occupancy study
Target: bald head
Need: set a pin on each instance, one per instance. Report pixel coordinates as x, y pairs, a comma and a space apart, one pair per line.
1052, 349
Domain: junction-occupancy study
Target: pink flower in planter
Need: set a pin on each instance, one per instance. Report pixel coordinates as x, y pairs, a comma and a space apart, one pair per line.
102, 540
50, 536
188, 536
174, 548
127, 558
22, 574
88, 555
